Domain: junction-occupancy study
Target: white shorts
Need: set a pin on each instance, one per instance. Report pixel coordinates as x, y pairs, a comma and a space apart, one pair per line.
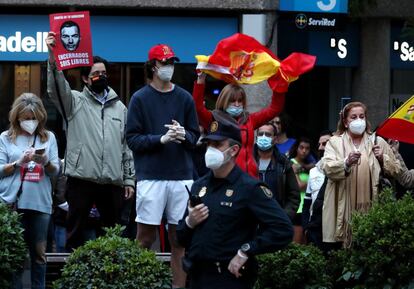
155, 197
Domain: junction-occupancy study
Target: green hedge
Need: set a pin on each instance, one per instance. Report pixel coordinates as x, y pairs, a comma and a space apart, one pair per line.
296, 267
12, 246
382, 253
113, 262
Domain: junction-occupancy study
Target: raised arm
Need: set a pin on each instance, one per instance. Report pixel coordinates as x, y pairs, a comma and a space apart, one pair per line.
204, 115
267, 114
58, 88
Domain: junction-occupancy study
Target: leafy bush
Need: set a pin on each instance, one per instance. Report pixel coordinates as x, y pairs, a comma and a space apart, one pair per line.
382, 253
12, 246
113, 262
298, 266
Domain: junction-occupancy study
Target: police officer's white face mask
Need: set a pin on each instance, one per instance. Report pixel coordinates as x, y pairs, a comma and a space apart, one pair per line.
215, 158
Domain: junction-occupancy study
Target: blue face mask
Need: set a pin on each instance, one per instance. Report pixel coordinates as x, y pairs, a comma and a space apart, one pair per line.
264, 143
234, 110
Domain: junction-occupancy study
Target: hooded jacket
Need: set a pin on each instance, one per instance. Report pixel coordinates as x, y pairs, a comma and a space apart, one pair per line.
96, 148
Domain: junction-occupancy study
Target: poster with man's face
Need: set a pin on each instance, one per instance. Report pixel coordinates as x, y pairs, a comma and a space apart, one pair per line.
73, 39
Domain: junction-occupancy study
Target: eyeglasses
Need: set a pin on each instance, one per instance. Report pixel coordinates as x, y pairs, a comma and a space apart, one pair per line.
276, 122
97, 73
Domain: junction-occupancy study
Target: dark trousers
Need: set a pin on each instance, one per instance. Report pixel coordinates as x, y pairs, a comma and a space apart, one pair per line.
211, 276
81, 196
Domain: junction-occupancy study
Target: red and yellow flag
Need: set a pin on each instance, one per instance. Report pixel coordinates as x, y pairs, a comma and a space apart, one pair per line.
400, 125
242, 59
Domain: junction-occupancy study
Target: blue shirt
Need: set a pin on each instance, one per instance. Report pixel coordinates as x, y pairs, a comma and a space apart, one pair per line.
35, 196
285, 147
148, 113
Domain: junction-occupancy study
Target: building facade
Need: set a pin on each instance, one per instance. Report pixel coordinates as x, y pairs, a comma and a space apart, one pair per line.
366, 58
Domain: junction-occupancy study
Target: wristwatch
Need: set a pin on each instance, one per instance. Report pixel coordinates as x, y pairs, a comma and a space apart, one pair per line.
245, 248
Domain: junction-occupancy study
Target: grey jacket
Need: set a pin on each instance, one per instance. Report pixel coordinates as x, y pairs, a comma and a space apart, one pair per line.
96, 147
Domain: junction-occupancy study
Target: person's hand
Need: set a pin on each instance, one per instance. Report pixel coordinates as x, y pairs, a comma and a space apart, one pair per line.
170, 136
353, 158
296, 168
378, 152
129, 192
201, 77
395, 145
51, 43
196, 215
24, 158
40, 159
236, 264
179, 129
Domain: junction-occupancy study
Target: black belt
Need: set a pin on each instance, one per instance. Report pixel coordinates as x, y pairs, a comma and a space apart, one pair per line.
211, 266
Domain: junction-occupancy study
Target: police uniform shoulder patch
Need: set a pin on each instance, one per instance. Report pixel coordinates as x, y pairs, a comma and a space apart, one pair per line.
268, 193
202, 192
214, 126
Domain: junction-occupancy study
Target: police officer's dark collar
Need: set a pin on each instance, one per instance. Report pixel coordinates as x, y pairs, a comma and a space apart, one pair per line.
232, 176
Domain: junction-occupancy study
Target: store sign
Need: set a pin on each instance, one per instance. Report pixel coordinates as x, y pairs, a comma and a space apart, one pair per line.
316, 21
318, 6
118, 38
402, 48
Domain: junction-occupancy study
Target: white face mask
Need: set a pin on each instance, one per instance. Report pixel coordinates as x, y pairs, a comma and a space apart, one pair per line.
29, 125
215, 158
166, 72
357, 126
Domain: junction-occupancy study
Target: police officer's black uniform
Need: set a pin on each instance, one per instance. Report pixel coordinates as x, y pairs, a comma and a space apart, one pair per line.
242, 211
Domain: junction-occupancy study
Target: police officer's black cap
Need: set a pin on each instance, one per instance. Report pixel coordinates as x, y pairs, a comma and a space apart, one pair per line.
223, 127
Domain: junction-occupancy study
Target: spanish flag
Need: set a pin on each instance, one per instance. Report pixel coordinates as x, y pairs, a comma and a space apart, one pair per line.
242, 59
400, 125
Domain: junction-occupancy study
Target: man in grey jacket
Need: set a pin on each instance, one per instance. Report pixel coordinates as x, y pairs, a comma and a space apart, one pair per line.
98, 162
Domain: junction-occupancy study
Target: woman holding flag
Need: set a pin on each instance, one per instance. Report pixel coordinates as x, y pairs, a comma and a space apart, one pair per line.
353, 160
240, 59
232, 100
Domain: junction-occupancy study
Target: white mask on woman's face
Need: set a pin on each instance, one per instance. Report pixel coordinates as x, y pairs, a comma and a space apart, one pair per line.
215, 158
29, 125
357, 126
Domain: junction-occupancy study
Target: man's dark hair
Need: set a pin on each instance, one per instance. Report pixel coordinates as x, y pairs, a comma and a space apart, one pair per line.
273, 127
70, 24
85, 70
148, 69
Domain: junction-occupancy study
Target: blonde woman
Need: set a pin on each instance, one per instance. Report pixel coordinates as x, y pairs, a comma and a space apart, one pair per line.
352, 162
28, 157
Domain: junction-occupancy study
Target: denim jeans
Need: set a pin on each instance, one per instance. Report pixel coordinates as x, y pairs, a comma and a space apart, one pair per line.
60, 239
35, 225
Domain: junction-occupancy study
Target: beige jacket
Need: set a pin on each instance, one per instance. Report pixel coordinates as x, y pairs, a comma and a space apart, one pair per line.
335, 221
406, 176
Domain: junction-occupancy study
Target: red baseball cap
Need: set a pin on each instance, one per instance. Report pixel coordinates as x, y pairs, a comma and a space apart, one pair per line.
162, 52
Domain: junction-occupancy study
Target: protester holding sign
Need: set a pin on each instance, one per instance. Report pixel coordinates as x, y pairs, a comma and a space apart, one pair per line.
98, 162
28, 158
72, 50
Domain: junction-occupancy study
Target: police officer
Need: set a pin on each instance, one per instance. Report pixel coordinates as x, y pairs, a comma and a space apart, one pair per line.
237, 218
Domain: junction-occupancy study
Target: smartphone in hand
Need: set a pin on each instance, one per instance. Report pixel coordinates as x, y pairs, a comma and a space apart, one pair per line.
40, 151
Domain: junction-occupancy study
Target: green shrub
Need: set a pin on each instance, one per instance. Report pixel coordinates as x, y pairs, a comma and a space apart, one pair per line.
113, 262
382, 253
296, 267
12, 246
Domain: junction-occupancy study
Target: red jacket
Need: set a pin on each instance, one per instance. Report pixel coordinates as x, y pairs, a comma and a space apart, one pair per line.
245, 159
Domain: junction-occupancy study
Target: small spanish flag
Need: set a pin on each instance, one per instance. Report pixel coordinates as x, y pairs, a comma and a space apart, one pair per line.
400, 125
242, 59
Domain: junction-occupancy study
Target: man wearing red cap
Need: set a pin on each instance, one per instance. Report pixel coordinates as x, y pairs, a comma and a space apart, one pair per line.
162, 129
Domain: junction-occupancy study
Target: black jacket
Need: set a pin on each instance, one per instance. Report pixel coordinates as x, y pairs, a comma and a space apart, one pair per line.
238, 205
281, 179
